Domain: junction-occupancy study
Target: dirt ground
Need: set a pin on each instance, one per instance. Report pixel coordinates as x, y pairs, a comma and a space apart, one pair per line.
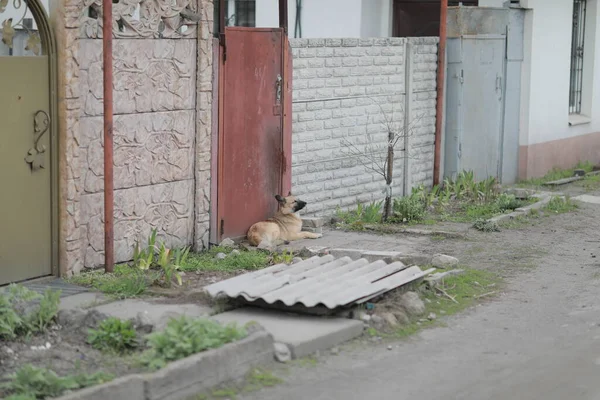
64, 350
539, 339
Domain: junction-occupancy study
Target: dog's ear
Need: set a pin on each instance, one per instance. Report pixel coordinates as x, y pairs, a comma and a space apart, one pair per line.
290, 193
279, 198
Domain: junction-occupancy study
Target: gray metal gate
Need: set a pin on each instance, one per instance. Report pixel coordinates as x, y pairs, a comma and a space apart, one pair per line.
483, 87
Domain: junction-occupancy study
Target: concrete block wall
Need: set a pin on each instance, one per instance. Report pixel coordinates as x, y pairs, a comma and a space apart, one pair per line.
347, 93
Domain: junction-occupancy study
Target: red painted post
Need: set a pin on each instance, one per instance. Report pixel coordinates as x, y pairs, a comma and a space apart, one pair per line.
440, 91
107, 37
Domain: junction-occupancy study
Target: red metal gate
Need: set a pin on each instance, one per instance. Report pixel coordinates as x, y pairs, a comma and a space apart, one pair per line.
254, 161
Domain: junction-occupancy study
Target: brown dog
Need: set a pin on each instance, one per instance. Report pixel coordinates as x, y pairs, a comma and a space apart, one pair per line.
286, 225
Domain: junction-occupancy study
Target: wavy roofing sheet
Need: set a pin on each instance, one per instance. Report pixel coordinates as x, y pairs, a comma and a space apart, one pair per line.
319, 281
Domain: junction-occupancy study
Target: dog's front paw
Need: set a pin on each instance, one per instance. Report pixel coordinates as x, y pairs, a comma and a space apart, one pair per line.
318, 235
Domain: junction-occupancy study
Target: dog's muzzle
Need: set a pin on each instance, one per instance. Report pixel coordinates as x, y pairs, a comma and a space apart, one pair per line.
299, 205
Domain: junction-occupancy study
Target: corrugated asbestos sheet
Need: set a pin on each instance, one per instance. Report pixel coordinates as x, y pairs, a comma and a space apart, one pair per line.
319, 281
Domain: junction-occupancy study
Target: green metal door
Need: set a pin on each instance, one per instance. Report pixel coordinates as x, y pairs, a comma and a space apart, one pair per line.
25, 173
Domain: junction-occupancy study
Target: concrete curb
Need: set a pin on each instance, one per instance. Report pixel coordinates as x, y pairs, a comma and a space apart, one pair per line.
414, 231
523, 211
190, 376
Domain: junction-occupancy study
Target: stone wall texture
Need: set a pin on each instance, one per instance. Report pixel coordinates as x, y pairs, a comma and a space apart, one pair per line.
161, 151
347, 93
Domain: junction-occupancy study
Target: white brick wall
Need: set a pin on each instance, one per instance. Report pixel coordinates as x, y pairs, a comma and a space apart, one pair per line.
341, 87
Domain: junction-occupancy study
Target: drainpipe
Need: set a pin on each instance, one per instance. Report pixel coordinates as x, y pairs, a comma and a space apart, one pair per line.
439, 112
107, 37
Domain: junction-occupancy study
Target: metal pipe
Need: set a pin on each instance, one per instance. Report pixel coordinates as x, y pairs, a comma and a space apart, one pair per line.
107, 37
439, 112
283, 16
222, 17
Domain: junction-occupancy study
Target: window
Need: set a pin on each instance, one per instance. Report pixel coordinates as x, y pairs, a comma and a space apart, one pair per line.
241, 12
577, 48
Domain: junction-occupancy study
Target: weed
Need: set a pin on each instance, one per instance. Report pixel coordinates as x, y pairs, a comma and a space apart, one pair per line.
144, 258
508, 202
485, 225
258, 378
308, 361
19, 317
185, 336
363, 214
114, 335
464, 187
124, 282
408, 209
159, 256
559, 205
243, 260
40, 383
286, 257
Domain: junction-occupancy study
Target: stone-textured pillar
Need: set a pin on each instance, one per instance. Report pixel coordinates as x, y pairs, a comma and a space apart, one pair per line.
204, 125
65, 20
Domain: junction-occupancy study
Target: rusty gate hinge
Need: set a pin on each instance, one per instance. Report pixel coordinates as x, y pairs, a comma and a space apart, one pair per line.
223, 43
222, 226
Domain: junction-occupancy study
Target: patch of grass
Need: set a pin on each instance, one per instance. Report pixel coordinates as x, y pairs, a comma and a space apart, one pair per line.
124, 282
461, 292
560, 205
557, 173
240, 260
186, 336
259, 378
20, 317
308, 361
486, 225
114, 335
354, 219
589, 182
286, 257
408, 209
40, 383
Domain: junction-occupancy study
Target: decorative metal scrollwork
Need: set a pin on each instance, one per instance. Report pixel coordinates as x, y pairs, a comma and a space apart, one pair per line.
35, 156
10, 27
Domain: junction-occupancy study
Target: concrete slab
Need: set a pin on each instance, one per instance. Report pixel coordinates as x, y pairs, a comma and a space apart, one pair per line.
156, 314
82, 300
304, 335
586, 198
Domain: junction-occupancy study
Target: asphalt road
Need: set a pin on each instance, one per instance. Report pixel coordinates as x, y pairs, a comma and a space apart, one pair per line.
539, 340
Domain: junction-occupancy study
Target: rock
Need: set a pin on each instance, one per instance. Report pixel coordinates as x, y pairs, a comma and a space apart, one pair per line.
335, 351
71, 317
296, 260
390, 319
227, 243
282, 352
431, 316
220, 256
143, 323
389, 347
365, 317
413, 305
401, 317
234, 253
444, 261
8, 350
377, 319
